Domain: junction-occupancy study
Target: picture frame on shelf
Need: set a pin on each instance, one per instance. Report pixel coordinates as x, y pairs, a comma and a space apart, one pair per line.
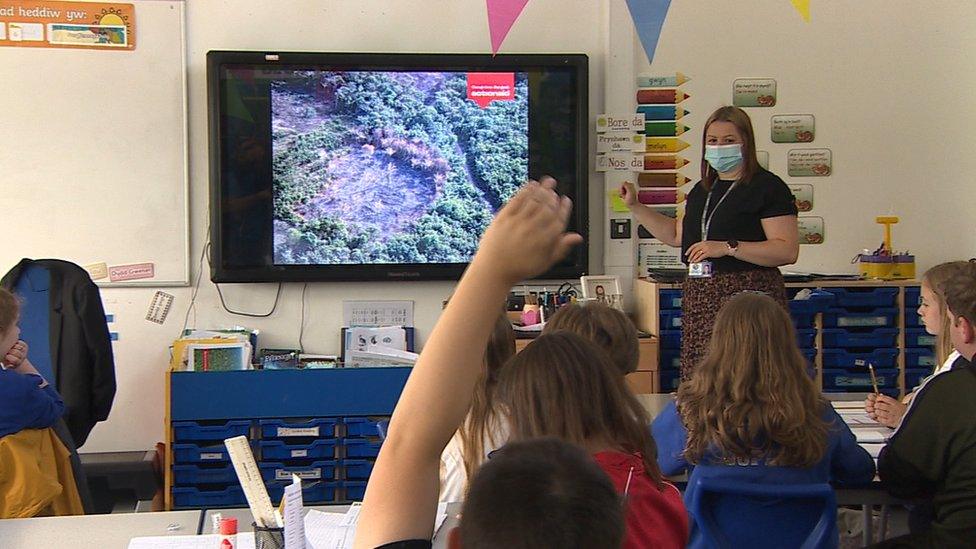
600, 287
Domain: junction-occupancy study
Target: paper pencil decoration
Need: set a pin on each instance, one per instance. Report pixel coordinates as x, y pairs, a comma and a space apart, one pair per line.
665, 145
662, 112
660, 196
648, 16
661, 179
501, 16
672, 81
803, 7
664, 129
661, 96
663, 162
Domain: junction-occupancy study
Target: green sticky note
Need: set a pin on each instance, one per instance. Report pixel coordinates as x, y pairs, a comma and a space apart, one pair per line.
617, 203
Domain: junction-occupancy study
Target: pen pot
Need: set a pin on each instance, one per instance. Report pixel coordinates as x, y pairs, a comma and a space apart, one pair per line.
268, 537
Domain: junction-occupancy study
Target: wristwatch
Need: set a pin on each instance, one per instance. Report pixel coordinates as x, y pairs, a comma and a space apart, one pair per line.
733, 245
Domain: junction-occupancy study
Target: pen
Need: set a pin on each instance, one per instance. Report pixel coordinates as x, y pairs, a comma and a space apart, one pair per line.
874, 379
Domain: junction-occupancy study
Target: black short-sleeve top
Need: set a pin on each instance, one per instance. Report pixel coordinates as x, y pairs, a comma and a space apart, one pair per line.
738, 217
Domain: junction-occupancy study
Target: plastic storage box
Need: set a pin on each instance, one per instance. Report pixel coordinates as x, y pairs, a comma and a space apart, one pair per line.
860, 337
283, 428
881, 317
210, 430
359, 448
841, 358
279, 450
865, 297
670, 299
316, 470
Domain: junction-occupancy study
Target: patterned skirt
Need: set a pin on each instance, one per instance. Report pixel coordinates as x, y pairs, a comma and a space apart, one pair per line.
702, 299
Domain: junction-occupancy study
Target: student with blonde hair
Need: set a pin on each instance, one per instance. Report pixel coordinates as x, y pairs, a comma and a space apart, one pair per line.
484, 429
752, 413
603, 325
932, 310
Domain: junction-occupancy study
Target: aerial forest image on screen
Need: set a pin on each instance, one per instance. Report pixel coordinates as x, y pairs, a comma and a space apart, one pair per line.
393, 167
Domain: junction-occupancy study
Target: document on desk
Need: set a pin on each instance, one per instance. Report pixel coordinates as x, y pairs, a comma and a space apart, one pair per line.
245, 540
338, 530
857, 419
873, 436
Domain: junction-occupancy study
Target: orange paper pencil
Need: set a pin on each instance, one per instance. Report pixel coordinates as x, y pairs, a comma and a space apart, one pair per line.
663, 162
661, 179
661, 96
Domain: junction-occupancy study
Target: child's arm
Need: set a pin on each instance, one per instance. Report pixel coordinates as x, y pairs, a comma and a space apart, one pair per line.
526, 238
671, 438
26, 403
850, 464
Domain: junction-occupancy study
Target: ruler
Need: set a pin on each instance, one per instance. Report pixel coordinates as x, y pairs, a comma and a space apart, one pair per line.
239, 449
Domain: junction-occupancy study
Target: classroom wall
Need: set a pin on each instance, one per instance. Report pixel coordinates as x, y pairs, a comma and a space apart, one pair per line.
889, 83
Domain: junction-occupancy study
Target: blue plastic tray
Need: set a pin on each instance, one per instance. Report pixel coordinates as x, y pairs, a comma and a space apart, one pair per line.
669, 359
278, 450
670, 319
865, 297
316, 470
222, 473
920, 358
872, 318
818, 302
284, 428
198, 453
363, 426
670, 299
841, 358
210, 430
669, 380
918, 337
360, 448
913, 298
670, 339
843, 379
355, 489
314, 492
806, 338
231, 496
914, 376
860, 337
357, 468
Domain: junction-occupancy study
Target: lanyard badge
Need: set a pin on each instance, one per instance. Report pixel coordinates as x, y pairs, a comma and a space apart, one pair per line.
705, 269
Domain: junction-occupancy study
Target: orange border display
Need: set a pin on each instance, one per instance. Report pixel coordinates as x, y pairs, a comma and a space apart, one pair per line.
84, 25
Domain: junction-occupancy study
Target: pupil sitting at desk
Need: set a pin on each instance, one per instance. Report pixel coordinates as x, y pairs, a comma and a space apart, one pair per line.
751, 412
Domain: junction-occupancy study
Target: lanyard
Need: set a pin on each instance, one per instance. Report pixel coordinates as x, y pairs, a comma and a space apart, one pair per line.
706, 223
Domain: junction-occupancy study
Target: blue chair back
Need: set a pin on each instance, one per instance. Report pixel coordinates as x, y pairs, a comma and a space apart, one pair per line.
731, 513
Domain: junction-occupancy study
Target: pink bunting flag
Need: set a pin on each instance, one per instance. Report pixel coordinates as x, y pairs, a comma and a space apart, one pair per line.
501, 16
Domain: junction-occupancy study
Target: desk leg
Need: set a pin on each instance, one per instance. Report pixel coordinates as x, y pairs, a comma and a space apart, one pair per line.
883, 530
866, 514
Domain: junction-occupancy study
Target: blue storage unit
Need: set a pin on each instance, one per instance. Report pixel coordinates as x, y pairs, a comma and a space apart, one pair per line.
860, 337
218, 473
669, 359
842, 358
284, 428
670, 319
865, 297
920, 358
357, 468
881, 317
355, 489
914, 376
312, 492
851, 381
912, 320
670, 339
670, 299
918, 337
817, 302
806, 338
803, 321
200, 453
278, 450
913, 298
231, 496
810, 355
210, 430
360, 447
363, 426
316, 470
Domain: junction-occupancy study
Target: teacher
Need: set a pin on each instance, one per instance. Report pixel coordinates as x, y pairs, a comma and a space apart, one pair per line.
739, 225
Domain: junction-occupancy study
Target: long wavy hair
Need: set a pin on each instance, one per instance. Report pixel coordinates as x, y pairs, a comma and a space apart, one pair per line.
483, 417
751, 398
934, 279
742, 122
599, 323
563, 386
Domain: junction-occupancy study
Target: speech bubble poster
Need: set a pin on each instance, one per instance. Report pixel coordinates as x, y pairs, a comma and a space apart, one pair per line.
754, 92
809, 163
792, 128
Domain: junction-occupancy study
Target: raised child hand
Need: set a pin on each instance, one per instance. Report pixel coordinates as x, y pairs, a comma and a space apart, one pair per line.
529, 234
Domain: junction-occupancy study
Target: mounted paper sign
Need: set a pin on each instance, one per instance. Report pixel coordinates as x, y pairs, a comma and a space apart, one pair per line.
88, 25
628, 122
619, 162
653, 256
754, 92
671, 81
803, 193
809, 163
618, 142
136, 271
791, 128
763, 158
97, 271
811, 230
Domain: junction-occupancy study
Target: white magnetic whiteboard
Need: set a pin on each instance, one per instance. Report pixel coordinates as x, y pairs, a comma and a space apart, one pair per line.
93, 151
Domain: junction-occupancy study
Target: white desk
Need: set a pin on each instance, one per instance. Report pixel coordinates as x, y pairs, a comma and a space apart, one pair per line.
244, 519
102, 531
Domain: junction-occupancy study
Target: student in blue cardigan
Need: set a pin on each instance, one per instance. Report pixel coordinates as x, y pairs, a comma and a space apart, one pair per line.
751, 412
27, 401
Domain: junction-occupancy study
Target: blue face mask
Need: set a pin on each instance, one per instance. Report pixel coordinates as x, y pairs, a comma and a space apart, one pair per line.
724, 158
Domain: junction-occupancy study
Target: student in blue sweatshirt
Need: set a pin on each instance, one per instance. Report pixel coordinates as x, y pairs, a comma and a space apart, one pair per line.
27, 400
751, 413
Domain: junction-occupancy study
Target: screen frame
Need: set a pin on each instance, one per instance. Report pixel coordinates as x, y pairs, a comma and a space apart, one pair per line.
216, 59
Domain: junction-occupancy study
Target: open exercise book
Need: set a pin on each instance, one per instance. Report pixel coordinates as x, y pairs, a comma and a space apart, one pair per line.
323, 530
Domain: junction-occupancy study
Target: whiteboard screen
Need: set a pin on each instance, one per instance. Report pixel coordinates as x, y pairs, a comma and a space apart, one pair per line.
93, 151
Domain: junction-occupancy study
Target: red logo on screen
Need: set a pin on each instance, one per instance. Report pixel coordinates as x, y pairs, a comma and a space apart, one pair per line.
485, 87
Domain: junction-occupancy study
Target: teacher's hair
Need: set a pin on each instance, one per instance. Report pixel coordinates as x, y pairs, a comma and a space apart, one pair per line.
742, 122
751, 397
